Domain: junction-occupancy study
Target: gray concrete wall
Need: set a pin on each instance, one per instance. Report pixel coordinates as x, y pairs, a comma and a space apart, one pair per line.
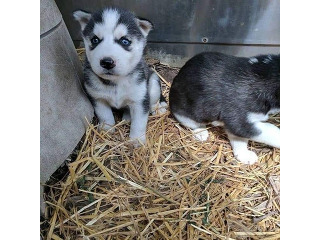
63, 104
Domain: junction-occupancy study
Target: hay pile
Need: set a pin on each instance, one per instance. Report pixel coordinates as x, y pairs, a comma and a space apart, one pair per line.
172, 188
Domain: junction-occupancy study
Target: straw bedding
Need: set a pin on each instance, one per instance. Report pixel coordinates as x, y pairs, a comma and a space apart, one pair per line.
172, 188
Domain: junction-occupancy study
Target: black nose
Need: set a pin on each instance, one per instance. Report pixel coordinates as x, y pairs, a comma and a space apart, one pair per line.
107, 63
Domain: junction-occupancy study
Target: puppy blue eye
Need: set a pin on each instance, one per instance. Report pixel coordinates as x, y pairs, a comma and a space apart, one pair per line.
95, 40
124, 41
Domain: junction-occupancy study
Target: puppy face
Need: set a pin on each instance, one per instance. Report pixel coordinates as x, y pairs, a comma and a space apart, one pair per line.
114, 40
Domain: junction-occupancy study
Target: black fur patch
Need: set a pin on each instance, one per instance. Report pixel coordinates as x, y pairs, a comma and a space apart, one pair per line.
146, 103
128, 19
86, 71
144, 71
94, 45
214, 86
107, 82
87, 81
95, 18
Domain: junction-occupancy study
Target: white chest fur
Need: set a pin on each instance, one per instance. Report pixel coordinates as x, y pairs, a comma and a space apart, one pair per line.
125, 92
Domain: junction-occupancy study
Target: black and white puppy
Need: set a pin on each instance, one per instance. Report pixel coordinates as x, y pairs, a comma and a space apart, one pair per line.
116, 74
235, 92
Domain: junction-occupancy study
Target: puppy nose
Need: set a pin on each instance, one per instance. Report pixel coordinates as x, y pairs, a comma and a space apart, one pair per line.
107, 63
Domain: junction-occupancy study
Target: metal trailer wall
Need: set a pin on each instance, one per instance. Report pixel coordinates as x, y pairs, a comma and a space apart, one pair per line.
184, 28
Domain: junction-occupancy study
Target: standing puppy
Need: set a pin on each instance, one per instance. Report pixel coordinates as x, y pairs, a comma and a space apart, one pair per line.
239, 93
116, 74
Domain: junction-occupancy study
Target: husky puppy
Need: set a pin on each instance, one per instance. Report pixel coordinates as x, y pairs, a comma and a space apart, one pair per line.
116, 74
235, 92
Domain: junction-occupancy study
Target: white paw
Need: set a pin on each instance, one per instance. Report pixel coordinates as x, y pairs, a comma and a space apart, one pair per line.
159, 108
247, 157
201, 134
138, 142
106, 127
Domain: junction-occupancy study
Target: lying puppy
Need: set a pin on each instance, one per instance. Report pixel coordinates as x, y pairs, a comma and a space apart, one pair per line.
235, 92
116, 74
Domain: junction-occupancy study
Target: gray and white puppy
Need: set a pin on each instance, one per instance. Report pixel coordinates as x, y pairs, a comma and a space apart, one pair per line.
116, 74
235, 92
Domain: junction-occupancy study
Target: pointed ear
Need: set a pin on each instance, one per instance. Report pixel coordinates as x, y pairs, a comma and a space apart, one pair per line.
82, 17
145, 26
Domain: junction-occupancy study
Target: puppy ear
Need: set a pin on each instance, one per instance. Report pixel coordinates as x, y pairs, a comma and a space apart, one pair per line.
82, 17
145, 26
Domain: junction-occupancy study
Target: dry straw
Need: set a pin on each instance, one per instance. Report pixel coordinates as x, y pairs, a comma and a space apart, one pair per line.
172, 188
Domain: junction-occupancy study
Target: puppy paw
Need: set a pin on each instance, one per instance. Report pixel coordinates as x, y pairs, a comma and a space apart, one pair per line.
159, 108
106, 127
247, 157
200, 134
163, 107
138, 142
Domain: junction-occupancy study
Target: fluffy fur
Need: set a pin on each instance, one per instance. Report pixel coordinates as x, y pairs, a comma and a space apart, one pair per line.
116, 75
235, 92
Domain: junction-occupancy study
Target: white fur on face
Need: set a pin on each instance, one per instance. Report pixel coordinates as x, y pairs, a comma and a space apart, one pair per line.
109, 31
120, 31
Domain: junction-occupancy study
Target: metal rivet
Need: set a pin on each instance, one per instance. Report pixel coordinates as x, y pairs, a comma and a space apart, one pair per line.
204, 39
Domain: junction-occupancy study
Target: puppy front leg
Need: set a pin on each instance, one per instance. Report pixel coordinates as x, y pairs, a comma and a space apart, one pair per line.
269, 134
139, 120
104, 114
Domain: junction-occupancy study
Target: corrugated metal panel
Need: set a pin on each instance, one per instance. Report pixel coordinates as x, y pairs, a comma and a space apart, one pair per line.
209, 23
